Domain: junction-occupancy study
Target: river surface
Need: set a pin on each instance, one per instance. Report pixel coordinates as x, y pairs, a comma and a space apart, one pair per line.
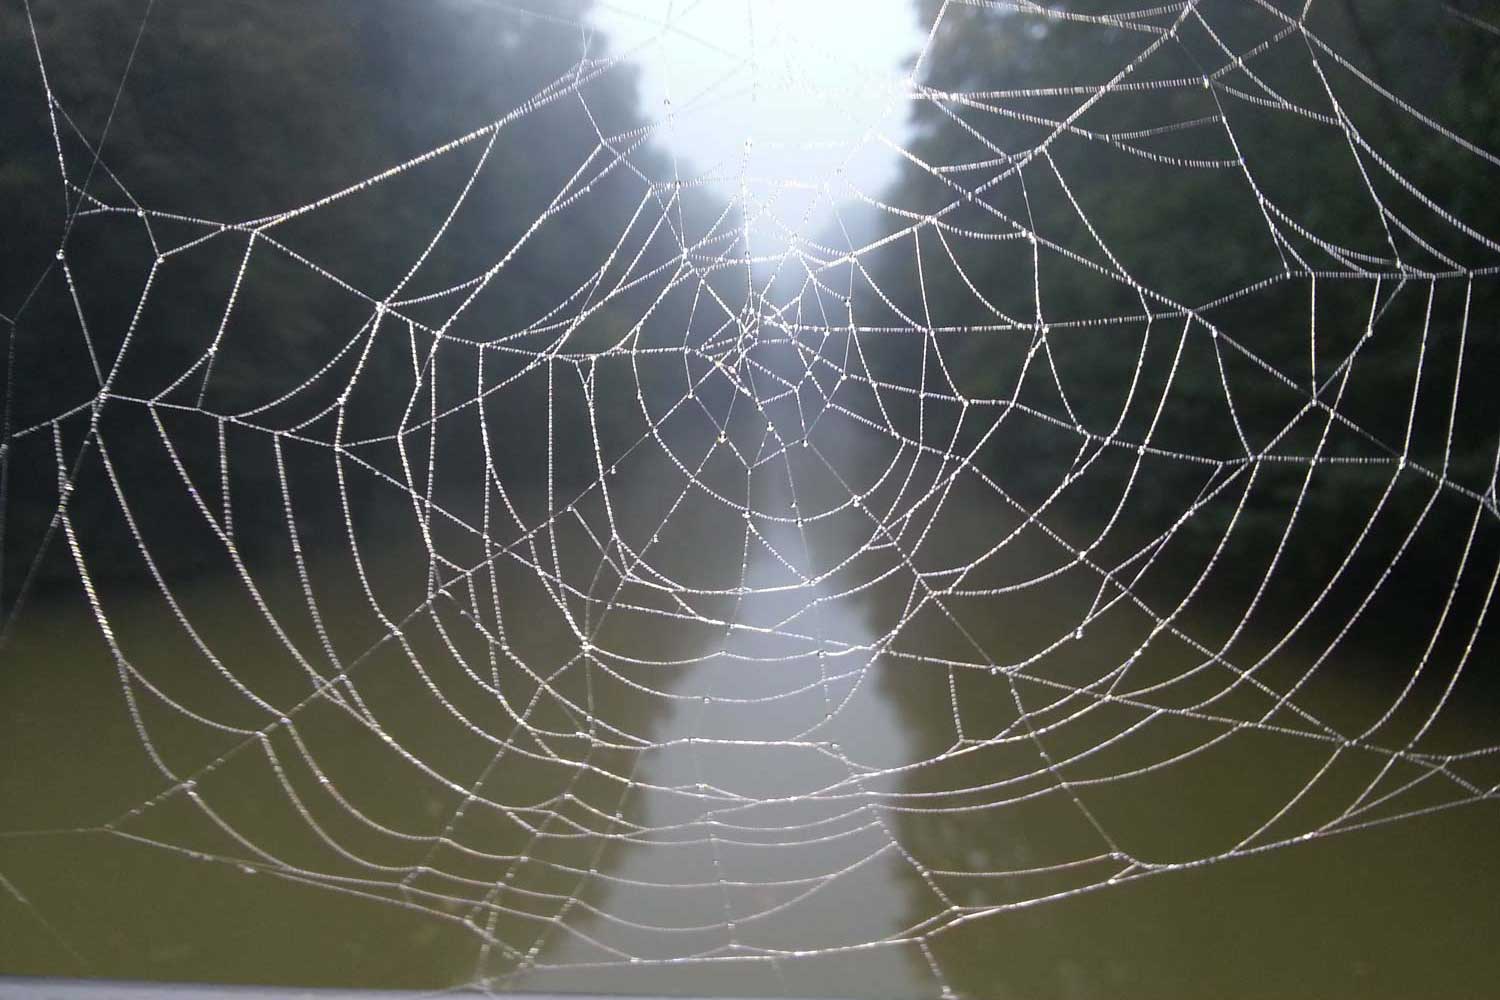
759, 763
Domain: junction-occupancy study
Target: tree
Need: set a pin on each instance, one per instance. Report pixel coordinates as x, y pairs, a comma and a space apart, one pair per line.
1218, 224
207, 126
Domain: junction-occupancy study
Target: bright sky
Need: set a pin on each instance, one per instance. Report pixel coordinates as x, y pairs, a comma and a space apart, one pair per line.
783, 96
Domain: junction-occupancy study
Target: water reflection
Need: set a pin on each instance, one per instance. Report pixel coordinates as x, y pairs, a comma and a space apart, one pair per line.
759, 835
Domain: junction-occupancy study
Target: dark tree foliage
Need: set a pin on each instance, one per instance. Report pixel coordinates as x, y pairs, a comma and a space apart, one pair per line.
1206, 224
241, 111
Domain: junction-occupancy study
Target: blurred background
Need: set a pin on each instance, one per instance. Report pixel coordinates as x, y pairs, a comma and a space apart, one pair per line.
821, 499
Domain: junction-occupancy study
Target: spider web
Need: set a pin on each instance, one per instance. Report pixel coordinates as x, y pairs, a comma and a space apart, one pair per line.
790, 553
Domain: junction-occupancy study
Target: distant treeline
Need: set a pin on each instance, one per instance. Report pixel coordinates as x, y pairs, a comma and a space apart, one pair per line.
1235, 232
233, 113
1155, 206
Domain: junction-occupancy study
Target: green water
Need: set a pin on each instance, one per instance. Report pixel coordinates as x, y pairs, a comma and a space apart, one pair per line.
617, 858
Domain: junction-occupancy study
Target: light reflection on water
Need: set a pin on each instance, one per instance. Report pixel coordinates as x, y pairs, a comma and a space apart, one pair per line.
790, 708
